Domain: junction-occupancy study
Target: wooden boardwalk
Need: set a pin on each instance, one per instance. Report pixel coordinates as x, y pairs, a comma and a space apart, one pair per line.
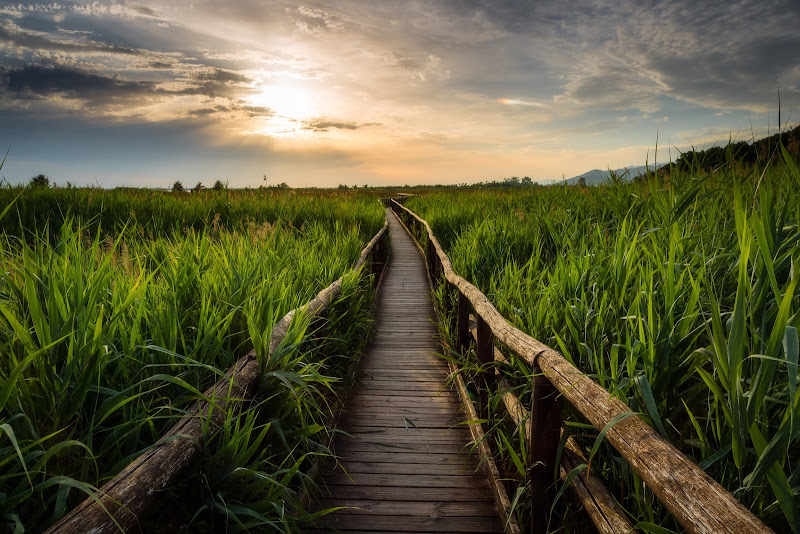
406, 468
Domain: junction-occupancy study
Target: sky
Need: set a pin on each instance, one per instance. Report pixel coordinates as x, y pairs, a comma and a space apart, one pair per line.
361, 92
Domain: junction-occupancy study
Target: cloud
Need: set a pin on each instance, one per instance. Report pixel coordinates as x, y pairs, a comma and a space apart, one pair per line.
37, 80
314, 21
323, 125
520, 102
13, 34
717, 55
76, 88
115, 9
217, 75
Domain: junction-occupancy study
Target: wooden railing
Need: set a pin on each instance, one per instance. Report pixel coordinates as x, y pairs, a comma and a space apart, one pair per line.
693, 498
120, 504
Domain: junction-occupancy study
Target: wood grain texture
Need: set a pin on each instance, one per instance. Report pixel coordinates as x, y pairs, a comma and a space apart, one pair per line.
697, 501
128, 496
405, 454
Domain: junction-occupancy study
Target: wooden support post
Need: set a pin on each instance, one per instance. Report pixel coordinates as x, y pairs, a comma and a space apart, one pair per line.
376, 263
484, 349
462, 323
546, 422
431, 253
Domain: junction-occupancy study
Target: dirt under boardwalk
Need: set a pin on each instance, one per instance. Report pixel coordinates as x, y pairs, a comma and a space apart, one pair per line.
407, 468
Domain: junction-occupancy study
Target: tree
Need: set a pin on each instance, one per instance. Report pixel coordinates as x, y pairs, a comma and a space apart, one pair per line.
582, 182
40, 180
177, 187
198, 187
219, 186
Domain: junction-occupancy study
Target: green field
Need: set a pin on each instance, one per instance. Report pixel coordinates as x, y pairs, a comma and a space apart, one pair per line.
119, 308
678, 293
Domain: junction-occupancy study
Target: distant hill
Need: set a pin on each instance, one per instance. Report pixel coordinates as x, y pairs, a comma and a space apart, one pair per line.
596, 176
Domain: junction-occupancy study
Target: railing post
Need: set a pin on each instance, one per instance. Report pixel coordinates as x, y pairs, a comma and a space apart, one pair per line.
431, 252
484, 349
462, 322
484, 341
546, 422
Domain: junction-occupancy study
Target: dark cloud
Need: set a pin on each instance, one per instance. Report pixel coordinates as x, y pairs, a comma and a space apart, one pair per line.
46, 80
37, 80
204, 112
145, 11
256, 111
217, 75
323, 125
25, 39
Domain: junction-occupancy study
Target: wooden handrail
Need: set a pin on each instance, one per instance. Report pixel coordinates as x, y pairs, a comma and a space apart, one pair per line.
129, 495
698, 502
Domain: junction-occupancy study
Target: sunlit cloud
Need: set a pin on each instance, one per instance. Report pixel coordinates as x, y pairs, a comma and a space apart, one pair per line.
519, 102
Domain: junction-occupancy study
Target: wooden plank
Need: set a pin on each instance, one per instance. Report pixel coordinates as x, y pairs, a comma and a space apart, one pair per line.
403, 481
401, 468
384, 493
344, 521
415, 508
410, 457
456, 433
357, 445
403, 408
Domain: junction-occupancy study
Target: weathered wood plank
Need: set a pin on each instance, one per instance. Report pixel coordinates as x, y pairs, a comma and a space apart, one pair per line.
348, 521
384, 493
408, 457
416, 508
402, 468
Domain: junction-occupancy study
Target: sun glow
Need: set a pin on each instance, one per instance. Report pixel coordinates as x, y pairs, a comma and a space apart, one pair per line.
286, 101
291, 106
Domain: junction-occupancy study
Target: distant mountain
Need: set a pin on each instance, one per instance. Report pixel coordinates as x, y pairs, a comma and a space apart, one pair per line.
596, 176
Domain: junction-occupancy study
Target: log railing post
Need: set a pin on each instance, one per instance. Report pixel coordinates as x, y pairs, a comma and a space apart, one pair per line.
484, 349
431, 253
546, 422
462, 323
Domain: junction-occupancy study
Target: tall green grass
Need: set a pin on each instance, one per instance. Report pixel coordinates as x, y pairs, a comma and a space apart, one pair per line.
678, 294
108, 336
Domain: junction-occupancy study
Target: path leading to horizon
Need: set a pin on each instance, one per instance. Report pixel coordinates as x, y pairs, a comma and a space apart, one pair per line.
406, 466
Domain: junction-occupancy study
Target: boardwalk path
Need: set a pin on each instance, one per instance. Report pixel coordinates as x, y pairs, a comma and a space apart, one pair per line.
406, 457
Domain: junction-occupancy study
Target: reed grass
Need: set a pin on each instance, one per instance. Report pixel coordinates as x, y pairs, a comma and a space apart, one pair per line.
111, 326
678, 293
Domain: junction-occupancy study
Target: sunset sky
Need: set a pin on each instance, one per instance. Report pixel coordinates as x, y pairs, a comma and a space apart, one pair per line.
382, 92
